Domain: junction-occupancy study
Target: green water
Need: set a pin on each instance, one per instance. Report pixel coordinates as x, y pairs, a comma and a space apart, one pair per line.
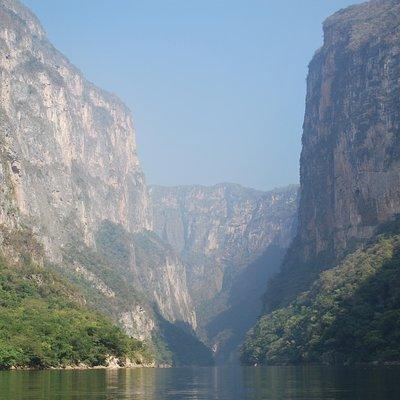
220, 383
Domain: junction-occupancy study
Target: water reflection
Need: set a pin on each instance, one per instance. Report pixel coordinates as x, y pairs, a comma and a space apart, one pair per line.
223, 383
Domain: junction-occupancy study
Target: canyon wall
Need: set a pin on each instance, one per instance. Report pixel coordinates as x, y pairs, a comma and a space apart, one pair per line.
70, 172
231, 240
350, 160
335, 300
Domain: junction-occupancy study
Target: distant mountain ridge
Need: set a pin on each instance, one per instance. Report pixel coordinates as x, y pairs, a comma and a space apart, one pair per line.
220, 231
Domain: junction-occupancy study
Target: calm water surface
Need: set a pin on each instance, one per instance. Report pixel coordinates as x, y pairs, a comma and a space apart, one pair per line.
219, 383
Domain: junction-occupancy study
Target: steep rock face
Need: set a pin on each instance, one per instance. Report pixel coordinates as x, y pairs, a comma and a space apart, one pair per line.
219, 227
350, 162
68, 166
71, 146
231, 239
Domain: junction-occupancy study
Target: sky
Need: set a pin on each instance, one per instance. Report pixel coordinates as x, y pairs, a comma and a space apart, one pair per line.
216, 87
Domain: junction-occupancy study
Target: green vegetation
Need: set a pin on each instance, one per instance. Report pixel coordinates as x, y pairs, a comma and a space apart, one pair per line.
351, 314
44, 321
114, 243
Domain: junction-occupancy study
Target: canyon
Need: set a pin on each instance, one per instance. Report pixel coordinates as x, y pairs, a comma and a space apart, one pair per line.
173, 267
231, 240
182, 273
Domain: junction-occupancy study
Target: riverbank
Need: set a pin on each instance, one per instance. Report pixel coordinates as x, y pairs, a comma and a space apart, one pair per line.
111, 363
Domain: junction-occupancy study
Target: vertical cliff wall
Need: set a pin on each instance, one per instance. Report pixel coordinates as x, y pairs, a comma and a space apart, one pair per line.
69, 168
71, 146
350, 161
335, 300
220, 229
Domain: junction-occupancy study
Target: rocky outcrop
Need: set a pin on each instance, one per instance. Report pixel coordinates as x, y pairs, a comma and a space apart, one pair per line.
68, 166
221, 231
350, 162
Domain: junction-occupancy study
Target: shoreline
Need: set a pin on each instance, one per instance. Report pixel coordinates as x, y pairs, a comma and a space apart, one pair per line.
84, 367
164, 366
112, 363
366, 364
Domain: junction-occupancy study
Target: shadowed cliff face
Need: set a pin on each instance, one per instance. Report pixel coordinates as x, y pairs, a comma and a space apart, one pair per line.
350, 162
68, 166
222, 233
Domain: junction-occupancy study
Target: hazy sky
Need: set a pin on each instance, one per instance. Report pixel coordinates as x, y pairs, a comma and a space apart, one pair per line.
216, 88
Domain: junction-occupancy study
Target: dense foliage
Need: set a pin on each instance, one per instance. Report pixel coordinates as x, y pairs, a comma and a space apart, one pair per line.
44, 323
351, 314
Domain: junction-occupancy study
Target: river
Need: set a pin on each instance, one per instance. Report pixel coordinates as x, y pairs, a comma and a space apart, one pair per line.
219, 383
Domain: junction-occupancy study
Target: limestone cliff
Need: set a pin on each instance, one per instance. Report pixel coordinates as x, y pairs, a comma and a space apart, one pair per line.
69, 167
221, 227
222, 232
350, 162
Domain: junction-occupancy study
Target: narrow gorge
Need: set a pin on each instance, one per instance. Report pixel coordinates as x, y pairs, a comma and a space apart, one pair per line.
100, 269
181, 269
231, 240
